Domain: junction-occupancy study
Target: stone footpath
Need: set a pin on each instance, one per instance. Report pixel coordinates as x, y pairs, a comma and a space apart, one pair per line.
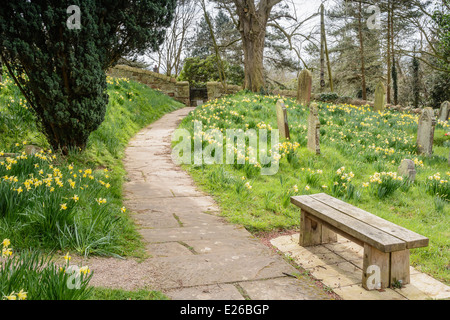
194, 254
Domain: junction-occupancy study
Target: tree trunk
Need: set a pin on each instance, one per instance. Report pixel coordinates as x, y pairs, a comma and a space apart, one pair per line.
253, 62
388, 86
324, 34
361, 51
322, 47
393, 58
253, 39
252, 26
220, 66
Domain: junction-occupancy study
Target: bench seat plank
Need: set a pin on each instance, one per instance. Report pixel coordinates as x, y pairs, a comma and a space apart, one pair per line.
412, 239
375, 237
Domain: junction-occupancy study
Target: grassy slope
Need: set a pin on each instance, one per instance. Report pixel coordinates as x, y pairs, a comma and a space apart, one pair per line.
266, 207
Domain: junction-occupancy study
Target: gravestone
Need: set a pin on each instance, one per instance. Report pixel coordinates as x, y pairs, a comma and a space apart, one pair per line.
282, 120
444, 111
407, 169
425, 132
30, 149
380, 97
314, 129
304, 87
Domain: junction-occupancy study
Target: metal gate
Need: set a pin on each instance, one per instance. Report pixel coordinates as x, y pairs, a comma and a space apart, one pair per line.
198, 96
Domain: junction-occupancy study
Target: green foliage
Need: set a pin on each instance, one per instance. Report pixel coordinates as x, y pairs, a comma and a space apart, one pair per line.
61, 71
199, 71
416, 86
442, 19
328, 97
394, 81
439, 84
119, 294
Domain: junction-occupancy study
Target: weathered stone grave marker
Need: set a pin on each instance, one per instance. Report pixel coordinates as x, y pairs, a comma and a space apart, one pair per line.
314, 129
407, 169
304, 87
283, 125
380, 97
444, 111
425, 132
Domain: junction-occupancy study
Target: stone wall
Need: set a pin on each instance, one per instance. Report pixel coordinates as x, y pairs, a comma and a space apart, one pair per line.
216, 90
178, 90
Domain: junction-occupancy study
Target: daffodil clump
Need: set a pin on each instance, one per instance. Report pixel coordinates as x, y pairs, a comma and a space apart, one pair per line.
46, 203
439, 185
28, 275
342, 185
384, 184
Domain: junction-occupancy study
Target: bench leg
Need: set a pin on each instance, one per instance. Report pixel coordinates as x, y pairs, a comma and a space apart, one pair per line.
313, 232
400, 267
375, 269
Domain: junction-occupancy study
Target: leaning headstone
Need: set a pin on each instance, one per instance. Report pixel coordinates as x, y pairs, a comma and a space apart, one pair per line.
407, 169
425, 132
380, 97
282, 120
30, 149
314, 129
444, 111
304, 87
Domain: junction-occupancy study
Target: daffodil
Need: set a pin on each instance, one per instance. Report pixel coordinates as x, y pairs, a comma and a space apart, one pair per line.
85, 270
67, 257
6, 243
6, 252
22, 295
12, 296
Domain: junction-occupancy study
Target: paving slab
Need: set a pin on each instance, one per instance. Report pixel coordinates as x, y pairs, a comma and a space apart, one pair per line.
155, 220
339, 266
213, 292
209, 232
175, 205
285, 288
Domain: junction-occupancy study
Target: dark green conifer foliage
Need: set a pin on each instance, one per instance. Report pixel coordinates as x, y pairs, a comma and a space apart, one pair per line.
395, 81
416, 81
61, 71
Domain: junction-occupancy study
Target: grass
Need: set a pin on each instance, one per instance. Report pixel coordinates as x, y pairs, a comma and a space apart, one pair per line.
119, 294
360, 154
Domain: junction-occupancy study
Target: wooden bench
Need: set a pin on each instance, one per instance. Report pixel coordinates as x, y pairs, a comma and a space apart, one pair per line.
386, 245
